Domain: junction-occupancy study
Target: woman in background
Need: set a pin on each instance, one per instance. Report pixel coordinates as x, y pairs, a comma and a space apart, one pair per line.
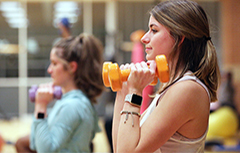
76, 64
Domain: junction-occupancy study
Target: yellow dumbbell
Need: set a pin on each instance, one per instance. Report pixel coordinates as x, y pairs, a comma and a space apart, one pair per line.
113, 76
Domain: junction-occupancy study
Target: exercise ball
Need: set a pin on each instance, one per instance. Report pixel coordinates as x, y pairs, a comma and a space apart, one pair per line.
223, 123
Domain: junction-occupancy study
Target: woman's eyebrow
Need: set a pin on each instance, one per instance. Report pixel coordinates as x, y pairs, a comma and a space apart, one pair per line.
151, 25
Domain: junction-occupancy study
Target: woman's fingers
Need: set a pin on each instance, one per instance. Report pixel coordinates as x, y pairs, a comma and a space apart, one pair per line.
142, 68
152, 66
124, 66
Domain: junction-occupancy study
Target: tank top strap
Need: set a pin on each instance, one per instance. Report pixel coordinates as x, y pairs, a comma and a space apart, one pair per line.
194, 78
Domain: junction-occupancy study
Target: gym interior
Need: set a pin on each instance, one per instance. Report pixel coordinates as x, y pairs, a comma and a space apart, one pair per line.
26, 40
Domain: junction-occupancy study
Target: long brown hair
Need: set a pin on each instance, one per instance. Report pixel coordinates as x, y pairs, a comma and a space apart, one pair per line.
87, 51
187, 21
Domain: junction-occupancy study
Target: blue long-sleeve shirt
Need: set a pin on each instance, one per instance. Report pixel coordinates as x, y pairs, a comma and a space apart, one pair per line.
69, 127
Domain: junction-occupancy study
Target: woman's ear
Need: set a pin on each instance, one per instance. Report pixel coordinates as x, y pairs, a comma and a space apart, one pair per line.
73, 66
182, 39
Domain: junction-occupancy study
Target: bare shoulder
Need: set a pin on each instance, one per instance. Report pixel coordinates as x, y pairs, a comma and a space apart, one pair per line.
189, 89
188, 95
190, 107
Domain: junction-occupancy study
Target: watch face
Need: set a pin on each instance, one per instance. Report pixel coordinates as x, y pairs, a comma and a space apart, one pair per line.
137, 99
40, 115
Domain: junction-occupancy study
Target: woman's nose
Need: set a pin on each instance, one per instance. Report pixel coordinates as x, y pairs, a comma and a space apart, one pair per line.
49, 70
145, 39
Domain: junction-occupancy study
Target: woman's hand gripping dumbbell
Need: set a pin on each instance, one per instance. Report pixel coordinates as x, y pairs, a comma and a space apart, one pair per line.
113, 76
57, 92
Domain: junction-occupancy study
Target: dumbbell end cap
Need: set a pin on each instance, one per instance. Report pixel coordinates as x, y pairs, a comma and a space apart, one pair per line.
105, 74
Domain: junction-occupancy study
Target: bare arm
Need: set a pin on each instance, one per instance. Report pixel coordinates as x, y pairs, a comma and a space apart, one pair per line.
119, 126
118, 107
116, 117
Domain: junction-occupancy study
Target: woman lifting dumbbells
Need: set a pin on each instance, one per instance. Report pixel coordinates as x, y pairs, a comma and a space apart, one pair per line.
76, 65
177, 119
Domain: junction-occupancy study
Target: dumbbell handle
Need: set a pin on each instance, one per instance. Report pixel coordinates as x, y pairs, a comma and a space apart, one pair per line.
57, 92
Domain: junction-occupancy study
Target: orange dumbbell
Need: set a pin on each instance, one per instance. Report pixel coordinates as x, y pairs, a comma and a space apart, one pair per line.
113, 76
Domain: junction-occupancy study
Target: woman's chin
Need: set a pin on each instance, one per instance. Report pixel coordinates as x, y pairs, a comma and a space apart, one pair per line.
54, 83
149, 58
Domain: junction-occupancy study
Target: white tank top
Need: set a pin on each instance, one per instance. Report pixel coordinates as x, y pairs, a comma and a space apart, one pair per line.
177, 142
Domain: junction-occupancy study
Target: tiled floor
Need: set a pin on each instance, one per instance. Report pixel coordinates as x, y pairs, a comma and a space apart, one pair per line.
18, 127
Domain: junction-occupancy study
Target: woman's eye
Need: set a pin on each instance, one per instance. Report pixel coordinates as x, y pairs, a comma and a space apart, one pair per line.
154, 31
54, 63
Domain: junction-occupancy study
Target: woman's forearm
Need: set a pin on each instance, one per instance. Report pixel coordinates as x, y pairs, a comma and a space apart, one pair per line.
128, 128
118, 106
40, 108
126, 119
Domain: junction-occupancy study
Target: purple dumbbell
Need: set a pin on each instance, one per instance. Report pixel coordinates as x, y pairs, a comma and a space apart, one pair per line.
57, 92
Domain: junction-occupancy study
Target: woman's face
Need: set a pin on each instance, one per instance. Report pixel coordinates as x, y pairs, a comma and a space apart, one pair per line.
56, 69
157, 40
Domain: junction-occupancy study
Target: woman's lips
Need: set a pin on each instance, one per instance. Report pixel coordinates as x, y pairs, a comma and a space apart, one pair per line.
147, 49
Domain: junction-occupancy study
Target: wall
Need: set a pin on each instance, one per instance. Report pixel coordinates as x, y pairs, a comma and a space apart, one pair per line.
230, 21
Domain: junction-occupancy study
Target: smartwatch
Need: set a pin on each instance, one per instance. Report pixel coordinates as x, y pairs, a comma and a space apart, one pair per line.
134, 99
40, 115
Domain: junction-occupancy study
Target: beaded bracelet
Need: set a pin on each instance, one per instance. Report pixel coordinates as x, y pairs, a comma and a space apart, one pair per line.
132, 113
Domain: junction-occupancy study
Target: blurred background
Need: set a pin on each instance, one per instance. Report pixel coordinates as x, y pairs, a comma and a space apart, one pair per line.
29, 28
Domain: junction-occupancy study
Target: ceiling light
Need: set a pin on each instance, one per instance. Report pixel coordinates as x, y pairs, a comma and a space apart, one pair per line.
14, 14
65, 9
